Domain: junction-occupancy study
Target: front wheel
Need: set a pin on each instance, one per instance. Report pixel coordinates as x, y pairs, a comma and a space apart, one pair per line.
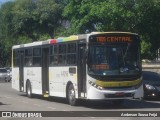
71, 96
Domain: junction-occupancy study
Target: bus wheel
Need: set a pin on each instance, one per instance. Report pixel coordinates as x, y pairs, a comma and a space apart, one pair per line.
29, 90
118, 102
71, 95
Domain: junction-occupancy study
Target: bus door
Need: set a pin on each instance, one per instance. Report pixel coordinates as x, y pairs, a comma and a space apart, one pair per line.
21, 72
45, 71
81, 70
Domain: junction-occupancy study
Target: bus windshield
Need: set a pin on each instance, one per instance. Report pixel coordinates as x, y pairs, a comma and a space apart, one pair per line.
113, 59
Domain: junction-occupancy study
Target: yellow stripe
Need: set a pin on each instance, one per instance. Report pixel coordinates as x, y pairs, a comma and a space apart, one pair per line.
73, 37
118, 84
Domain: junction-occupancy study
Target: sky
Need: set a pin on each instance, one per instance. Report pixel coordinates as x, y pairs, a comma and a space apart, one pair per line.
2, 1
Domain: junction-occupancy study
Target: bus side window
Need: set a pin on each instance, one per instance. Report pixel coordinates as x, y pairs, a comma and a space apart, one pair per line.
37, 57
28, 57
54, 60
62, 54
71, 54
15, 58
71, 59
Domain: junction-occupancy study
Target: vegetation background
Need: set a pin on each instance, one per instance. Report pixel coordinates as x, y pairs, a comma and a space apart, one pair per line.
23, 21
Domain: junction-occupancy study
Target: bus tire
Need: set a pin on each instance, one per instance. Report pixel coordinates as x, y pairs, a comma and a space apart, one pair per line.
29, 90
71, 96
118, 102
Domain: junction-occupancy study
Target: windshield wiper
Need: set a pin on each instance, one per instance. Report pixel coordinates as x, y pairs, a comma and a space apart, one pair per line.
126, 50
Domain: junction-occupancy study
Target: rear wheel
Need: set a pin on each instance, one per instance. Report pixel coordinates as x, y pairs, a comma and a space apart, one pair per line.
29, 90
71, 95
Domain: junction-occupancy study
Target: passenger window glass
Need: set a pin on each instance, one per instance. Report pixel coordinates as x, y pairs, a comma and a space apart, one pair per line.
36, 61
62, 49
54, 60
61, 59
37, 57
28, 61
36, 52
28, 52
15, 58
63, 54
71, 59
28, 57
72, 48
55, 49
52, 50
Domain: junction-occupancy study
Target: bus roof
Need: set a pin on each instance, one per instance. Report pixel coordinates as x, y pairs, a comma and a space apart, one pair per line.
65, 39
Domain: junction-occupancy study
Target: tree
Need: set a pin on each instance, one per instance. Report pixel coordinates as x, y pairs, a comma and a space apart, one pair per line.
35, 17
49, 16
104, 15
24, 20
6, 32
149, 25
140, 16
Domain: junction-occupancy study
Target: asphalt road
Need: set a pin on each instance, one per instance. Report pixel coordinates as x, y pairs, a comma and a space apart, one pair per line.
12, 100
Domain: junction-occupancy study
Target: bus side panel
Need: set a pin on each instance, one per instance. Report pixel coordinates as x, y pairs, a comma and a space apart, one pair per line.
15, 78
58, 79
33, 74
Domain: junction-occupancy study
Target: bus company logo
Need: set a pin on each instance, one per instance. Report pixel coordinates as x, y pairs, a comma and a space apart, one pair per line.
21, 114
6, 114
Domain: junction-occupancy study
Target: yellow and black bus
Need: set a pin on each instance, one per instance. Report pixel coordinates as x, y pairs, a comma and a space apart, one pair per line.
95, 66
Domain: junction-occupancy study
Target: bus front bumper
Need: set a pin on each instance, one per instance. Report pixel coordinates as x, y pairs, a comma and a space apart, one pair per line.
96, 94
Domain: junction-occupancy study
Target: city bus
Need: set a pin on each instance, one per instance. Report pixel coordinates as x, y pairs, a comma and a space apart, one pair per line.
93, 66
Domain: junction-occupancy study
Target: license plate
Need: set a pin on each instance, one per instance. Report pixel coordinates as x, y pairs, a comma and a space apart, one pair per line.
119, 94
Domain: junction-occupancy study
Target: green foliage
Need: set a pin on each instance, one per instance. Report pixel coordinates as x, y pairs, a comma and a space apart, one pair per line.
104, 15
140, 16
48, 14
23, 21
149, 25
5, 32
145, 49
35, 17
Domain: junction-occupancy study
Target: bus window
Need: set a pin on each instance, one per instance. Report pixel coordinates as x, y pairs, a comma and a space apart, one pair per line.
36, 57
62, 54
119, 59
62, 49
71, 59
15, 58
72, 48
71, 54
28, 57
61, 59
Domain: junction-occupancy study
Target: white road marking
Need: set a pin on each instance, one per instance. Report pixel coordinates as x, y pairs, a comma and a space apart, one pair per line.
7, 97
51, 108
37, 105
24, 101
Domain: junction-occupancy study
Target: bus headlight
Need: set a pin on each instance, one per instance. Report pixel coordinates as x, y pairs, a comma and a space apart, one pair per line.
94, 85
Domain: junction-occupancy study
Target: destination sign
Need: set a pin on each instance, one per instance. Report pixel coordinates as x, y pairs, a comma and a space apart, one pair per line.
113, 39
